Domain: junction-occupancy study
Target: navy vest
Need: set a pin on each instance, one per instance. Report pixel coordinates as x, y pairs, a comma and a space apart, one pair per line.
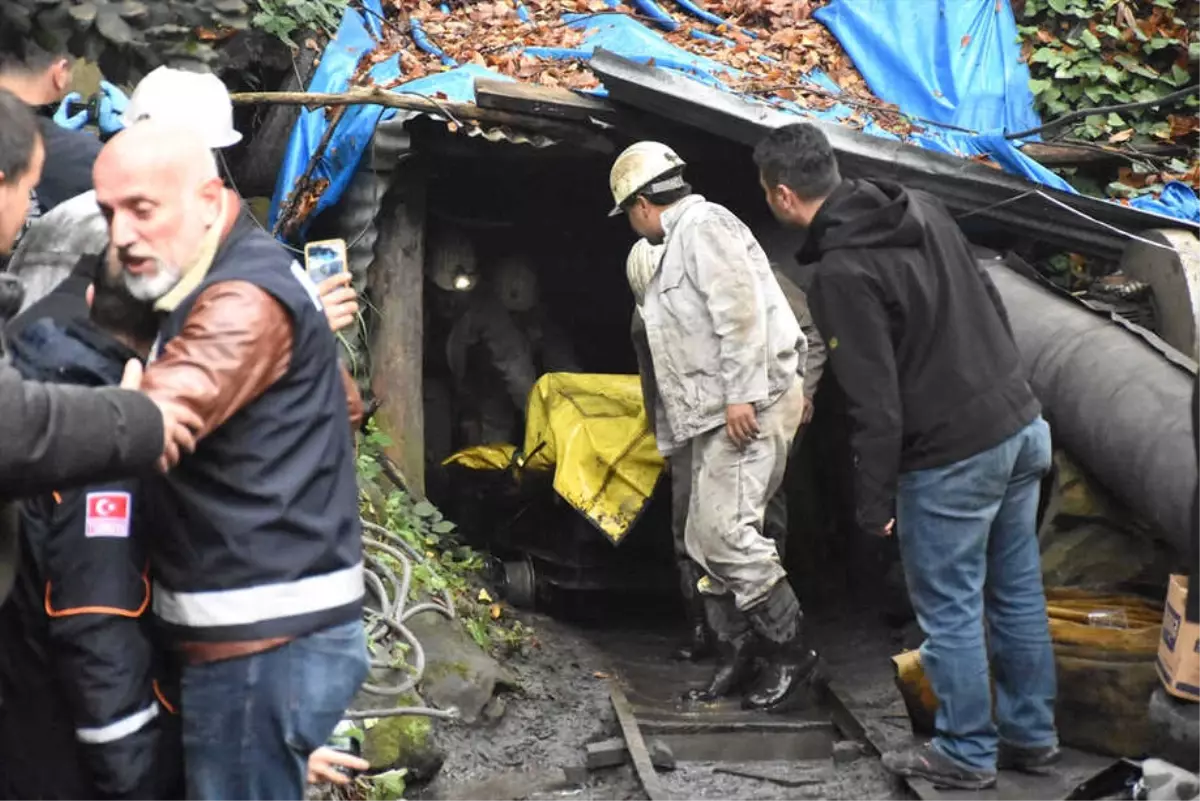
260, 535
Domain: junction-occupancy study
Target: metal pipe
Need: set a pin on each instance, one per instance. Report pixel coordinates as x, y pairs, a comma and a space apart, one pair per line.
1114, 402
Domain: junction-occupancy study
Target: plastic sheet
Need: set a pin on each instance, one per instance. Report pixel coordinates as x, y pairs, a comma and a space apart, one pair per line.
1177, 200
357, 36
955, 62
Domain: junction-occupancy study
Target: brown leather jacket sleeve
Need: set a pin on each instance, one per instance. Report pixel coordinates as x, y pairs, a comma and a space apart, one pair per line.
235, 343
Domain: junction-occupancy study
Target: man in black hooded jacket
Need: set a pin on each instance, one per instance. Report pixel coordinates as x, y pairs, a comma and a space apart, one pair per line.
948, 443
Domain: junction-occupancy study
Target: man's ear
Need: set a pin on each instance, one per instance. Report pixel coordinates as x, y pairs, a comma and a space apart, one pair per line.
61, 75
212, 194
90, 294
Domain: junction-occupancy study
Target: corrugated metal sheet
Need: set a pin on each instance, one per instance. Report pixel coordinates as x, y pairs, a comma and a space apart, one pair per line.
1073, 222
359, 206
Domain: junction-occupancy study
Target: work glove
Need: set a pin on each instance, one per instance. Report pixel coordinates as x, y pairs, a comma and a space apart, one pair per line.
112, 106
72, 122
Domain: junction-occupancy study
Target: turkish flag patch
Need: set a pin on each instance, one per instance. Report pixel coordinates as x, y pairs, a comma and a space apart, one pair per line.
107, 514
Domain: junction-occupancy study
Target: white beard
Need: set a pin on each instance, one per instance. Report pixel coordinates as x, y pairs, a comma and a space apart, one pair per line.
152, 287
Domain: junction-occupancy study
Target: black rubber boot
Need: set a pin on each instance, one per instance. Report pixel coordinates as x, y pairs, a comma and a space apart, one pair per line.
735, 666
791, 668
700, 643
735, 646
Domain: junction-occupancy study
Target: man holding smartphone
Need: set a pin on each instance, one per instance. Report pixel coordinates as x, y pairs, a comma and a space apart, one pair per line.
245, 344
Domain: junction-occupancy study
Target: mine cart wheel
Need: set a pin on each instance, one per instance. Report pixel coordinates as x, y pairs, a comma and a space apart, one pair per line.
1175, 730
520, 584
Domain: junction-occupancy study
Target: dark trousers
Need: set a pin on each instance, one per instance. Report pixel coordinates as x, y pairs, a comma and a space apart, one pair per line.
775, 522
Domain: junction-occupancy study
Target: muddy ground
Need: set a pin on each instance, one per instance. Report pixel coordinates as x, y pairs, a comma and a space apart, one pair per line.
536, 749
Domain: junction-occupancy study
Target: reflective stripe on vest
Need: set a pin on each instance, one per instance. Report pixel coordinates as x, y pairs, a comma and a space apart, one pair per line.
248, 605
118, 729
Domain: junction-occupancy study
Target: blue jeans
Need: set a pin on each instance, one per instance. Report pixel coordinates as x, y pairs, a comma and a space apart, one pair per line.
250, 723
969, 546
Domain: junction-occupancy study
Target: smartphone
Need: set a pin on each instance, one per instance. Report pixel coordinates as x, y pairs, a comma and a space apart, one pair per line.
325, 258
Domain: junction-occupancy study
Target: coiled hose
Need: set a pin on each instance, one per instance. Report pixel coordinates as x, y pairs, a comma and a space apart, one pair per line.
386, 626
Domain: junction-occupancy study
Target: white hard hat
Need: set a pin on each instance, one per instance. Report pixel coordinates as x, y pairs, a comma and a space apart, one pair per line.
196, 100
644, 168
451, 263
516, 284
641, 265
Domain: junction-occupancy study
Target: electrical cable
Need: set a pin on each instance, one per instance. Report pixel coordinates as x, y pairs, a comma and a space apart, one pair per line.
1068, 207
387, 617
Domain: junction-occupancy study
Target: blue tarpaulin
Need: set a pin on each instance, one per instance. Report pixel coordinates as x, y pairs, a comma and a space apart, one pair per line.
953, 62
1176, 200
355, 38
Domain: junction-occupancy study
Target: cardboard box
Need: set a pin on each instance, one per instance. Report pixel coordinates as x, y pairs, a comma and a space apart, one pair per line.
1179, 648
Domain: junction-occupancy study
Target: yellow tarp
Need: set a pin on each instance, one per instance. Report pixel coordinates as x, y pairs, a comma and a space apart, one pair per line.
591, 430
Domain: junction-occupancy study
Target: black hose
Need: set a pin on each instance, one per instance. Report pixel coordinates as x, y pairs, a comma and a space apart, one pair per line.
1182, 94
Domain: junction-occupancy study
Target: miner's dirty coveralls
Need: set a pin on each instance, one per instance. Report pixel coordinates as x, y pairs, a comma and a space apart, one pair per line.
775, 523
721, 333
88, 699
495, 385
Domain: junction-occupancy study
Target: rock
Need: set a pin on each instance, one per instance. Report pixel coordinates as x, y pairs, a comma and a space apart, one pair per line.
1175, 730
515, 784
1088, 540
403, 741
847, 751
458, 673
1095, 554
493, 711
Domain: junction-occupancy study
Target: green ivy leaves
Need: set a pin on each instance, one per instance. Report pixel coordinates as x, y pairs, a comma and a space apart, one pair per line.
1091, 53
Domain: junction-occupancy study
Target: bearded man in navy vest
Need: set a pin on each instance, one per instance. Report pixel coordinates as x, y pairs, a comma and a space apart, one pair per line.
258, 555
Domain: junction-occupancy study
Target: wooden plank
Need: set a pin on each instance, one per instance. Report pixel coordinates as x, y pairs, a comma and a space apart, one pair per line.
1076, 766
637, 746
396, 281
542, 101
1051, 155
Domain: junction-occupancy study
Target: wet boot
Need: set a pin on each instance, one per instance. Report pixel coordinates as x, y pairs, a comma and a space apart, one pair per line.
735, 651
790, 668
700, 641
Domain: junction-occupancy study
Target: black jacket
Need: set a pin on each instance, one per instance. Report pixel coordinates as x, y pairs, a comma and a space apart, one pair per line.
70, 156
917, 337
78, 618
57, 437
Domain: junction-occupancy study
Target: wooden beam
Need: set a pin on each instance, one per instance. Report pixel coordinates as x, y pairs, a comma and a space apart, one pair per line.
1066, 155
396, 282
544, 101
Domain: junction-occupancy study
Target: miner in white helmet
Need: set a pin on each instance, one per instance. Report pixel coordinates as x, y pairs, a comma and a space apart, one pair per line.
727, 357
499, 341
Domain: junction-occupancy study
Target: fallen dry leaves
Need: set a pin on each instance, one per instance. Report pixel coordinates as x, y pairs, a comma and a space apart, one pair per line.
786, 45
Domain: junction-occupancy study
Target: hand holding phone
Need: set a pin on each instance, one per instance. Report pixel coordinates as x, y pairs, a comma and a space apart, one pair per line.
325, 259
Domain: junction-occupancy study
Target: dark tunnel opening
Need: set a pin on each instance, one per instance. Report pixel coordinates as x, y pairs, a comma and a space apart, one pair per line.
551, 205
